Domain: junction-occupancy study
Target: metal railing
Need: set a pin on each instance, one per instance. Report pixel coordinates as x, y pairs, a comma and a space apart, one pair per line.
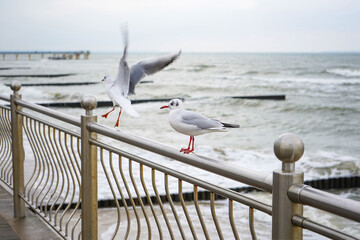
65, 162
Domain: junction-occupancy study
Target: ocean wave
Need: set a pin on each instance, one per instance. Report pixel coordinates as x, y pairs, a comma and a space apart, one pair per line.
344, 72
328, 164
316, 108
254, 72
200, 67
314, 164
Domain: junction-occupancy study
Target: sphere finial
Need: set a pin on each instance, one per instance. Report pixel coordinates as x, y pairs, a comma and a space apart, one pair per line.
15, 85
88, 103
288, 148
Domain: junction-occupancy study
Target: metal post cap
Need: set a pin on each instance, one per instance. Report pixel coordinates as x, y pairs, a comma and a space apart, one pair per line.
88, 102
15, 85
288, 148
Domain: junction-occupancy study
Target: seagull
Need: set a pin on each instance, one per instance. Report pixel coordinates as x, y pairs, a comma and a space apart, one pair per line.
192, 124
126, 79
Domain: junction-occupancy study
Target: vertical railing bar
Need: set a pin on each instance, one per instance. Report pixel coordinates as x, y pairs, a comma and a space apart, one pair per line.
139, 199
57, 167
251, 223
149, 201
231, 219
213, 213
3, 146
29, 137
112, 190
130, 197
185, 209
173, 206
41, 165
79, 154
78, 164
161, 204
74, 227
8, 143
31, 191
62, 183
63, 162
47, 157
122, 196
5, 149
77, 175
70, 167
6, 155
196, 202
8, 126
51, 161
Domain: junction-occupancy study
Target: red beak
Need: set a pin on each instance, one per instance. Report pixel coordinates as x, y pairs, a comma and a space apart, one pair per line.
103, 79
164, 107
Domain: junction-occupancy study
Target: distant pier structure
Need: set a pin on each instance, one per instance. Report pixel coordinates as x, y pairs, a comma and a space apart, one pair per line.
53, 55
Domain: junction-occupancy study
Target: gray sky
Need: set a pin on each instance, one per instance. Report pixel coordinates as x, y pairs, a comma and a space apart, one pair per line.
192, 25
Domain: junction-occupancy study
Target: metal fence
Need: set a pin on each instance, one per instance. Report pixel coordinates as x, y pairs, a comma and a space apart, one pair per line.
66, 159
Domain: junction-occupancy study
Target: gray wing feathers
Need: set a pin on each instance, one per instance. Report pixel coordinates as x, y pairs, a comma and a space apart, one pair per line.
123, 74
199, 120
148, 67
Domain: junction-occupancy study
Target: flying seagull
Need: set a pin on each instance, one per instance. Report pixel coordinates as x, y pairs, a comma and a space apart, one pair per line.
123, 85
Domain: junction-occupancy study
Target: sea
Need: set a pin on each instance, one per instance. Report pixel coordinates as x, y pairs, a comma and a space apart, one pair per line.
322, 106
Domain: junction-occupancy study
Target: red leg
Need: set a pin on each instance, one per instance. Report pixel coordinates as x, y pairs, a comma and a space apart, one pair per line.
106, 114
184, 149
188, 150
117, 122
193, 142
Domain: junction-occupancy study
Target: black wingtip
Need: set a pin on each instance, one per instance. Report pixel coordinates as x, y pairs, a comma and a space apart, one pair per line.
229, 125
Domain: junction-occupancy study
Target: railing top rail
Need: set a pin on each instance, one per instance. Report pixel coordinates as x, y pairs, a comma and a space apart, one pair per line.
49, 112
5, 97
256, 179
332, 203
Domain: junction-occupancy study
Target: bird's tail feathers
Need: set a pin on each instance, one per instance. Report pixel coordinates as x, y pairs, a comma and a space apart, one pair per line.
125, 104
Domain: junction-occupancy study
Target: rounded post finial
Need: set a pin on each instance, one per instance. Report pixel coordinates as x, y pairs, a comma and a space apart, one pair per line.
15, 85
288, 148
88, 103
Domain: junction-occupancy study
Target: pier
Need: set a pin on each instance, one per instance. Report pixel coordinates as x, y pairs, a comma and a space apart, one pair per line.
53, 55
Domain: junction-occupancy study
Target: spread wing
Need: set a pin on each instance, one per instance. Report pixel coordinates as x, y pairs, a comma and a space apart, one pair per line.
122, 78
147, 67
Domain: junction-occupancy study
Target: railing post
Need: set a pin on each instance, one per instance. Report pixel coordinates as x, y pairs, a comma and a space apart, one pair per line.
17, 149
288, 148
89, 201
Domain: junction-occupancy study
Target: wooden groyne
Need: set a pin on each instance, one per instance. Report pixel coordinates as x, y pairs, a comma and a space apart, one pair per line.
262, 97
54, 55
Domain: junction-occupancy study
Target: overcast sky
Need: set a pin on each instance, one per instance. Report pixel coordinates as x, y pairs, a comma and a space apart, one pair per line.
192, 25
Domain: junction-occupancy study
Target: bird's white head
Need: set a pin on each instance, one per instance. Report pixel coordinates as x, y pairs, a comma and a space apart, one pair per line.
107, 78
174, 104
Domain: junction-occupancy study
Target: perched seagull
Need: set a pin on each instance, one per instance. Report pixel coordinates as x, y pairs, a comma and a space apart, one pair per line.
125, 81
192, 124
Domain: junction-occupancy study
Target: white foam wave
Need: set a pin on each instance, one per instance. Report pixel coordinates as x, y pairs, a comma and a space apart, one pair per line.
345, 72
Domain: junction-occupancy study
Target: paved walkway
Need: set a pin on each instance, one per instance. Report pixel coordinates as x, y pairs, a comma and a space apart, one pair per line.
27, 228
